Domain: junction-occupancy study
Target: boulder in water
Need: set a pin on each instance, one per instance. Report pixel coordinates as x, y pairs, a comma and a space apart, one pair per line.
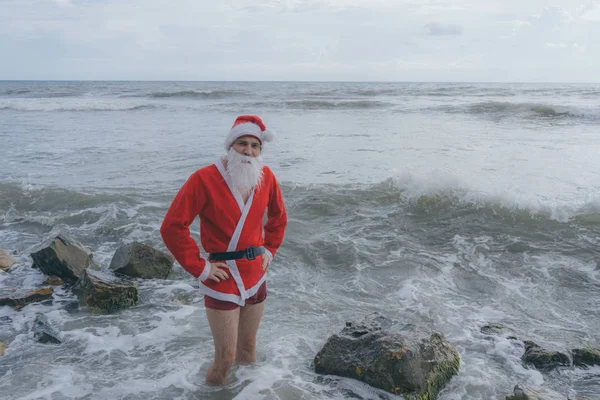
22, 297
3, 347
534, 393
142, 261
53, 281
543, 359
398, 362
105, 292
63, 257
6, 261
43, 331
586, 356
492, 329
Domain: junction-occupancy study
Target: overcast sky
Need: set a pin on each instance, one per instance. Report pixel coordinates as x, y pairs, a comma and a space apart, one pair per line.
299, 40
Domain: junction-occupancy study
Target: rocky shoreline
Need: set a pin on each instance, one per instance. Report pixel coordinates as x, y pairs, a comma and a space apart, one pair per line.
405, 360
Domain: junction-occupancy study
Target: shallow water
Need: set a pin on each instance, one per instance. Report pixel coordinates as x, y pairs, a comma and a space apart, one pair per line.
447, 206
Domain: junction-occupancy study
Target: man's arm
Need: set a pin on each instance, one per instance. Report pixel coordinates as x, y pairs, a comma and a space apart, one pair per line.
276, 219
175, 229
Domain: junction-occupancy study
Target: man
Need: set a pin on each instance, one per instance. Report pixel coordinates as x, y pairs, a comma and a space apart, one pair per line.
230, 197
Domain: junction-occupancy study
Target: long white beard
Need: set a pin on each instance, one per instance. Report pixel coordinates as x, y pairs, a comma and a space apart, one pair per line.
246, 172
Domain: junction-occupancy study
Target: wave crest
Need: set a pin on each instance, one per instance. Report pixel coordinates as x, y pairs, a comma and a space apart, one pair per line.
335, 105
535, 110
56, 107
438, 197
191, 94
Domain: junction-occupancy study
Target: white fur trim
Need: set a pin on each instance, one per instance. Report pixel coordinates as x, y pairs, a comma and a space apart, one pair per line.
269, 254
204, 275
232, 298
268, 135
245, 209
248, 128
235, 238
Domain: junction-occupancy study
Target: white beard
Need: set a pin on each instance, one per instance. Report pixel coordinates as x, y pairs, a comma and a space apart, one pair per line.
246, 172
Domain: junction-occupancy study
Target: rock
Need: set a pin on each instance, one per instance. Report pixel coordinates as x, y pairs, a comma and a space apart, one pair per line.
142, 261
492, 329
543, 359
69, 305
106, 292
534, 393
518, 247
22, 297
43, 331
6, 261
63, 257
53, 281
416, 368
2, 348
587, 356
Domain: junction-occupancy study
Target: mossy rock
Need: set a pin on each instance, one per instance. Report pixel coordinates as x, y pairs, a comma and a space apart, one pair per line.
543, 359
416, 366
139, 260
586, 356
492, 329
106, 292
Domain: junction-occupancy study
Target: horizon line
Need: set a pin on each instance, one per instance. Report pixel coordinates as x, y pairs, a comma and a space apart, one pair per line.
289, 81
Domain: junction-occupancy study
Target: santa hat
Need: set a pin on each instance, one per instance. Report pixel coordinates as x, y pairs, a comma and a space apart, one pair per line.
248, 125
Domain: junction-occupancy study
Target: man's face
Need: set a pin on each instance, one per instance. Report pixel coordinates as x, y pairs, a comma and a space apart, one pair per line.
247, 145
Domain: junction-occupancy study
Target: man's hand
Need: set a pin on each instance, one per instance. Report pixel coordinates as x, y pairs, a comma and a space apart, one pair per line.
216, 273
266, 261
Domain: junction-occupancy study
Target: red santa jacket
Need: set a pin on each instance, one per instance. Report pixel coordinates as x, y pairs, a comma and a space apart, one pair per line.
226, 224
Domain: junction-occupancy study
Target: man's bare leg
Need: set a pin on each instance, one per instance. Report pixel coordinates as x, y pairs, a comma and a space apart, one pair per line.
224, 327
250, 316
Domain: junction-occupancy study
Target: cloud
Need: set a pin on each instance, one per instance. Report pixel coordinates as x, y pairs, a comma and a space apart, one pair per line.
557, 45
437, 29
297, 39
591, 13
552, 17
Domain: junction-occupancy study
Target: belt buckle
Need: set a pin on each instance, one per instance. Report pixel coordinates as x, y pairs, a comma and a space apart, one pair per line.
250, 253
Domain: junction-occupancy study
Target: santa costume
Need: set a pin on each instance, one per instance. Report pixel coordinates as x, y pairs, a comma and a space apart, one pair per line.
227, 224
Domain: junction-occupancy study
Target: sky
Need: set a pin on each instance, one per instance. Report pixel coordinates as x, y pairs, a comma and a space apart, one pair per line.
301, 40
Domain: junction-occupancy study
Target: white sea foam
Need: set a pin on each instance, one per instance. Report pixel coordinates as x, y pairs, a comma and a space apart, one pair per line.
156, 333
446, 187
73, 104
63, 380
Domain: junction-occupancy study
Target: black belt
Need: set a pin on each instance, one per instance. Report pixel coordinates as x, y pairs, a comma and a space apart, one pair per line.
250, 253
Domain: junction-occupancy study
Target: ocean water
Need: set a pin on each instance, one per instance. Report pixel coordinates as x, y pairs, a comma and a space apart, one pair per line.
443, 205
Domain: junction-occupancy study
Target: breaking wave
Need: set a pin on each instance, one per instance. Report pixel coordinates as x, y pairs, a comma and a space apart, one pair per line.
523, 110
56, 107
192, 94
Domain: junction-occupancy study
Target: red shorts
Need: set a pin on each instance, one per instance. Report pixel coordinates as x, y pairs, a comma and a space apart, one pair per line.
259, 297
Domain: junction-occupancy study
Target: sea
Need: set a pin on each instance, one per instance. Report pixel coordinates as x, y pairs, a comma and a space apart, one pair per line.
447, 206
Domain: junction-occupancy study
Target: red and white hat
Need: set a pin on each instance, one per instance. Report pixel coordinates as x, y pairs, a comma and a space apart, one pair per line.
248, 125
